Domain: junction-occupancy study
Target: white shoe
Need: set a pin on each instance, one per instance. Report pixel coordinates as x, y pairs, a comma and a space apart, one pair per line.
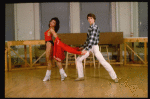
63, 76
116, 80
79, 79
46, 78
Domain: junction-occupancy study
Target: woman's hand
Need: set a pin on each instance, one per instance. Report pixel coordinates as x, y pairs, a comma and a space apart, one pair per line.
53, 32
84, 52
81, 48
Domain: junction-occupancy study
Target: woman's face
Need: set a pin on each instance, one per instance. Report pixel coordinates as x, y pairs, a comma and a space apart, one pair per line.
52, 23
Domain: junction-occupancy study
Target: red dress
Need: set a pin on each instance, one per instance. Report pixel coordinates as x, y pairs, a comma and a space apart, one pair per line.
49, 39
60, 47
57, 50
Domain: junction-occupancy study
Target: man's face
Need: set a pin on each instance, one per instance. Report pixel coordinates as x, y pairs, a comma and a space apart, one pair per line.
91, 20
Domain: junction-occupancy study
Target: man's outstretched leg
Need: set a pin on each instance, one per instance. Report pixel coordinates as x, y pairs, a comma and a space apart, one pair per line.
80, 66
104, 63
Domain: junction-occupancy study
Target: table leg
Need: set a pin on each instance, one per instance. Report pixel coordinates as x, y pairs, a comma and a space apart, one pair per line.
25, 55
132, 55
145, 52
30, 51
66, 61
124, 53
121, 53
9, 57
5, 59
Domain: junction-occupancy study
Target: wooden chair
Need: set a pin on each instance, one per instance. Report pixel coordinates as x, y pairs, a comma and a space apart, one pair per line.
106, 46
91, 59
70, 58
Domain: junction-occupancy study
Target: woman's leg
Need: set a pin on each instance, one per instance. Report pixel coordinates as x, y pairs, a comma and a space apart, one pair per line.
49, 61
48, 55
61, 70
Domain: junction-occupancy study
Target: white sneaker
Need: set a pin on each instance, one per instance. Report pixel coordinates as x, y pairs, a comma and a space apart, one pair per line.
46, 78
79, 79
116, 80
63, 76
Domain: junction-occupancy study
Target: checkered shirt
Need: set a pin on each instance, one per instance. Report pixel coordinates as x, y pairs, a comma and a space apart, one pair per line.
92, 37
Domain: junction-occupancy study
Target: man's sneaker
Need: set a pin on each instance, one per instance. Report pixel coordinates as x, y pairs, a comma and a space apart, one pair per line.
79, 79
116, 80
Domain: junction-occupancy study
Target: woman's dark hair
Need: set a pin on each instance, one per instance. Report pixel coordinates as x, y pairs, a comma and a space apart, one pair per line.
57, 23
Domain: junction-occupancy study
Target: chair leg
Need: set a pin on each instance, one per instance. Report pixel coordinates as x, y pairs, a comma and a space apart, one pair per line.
94, 61
99, 62
75, 60
84, 63
100, 48
98, 65
66, 61
107, 54
90, 62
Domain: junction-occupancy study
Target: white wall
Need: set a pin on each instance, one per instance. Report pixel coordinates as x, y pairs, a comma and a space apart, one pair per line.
135, 19
126, 18
113, 13
124, 13
24, 21
75, 17
27, 20
36, 21
27, 24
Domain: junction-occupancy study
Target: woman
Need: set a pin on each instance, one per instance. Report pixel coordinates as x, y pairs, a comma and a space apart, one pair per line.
53, 28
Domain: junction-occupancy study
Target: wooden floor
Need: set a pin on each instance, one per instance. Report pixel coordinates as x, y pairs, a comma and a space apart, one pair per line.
133, 82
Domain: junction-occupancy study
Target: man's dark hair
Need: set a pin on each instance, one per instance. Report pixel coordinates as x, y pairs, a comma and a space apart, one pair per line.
91, 15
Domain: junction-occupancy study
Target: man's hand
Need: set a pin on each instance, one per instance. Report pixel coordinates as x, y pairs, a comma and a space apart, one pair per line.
84, 52
81, 48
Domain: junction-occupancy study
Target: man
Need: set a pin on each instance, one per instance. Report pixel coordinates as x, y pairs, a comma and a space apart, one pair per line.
91, 44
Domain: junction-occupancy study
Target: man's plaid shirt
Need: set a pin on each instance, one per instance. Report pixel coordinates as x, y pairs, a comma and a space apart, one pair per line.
92, 37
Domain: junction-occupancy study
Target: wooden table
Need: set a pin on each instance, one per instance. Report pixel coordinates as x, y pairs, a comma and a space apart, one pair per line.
67, 38
77, 39
26, 42
113, 38
136, 39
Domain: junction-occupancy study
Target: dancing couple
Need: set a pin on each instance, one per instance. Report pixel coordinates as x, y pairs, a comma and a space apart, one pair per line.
55, 49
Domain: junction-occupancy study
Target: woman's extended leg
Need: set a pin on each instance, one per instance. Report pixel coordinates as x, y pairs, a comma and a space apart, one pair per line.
49, 61
48, 55
61, 70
